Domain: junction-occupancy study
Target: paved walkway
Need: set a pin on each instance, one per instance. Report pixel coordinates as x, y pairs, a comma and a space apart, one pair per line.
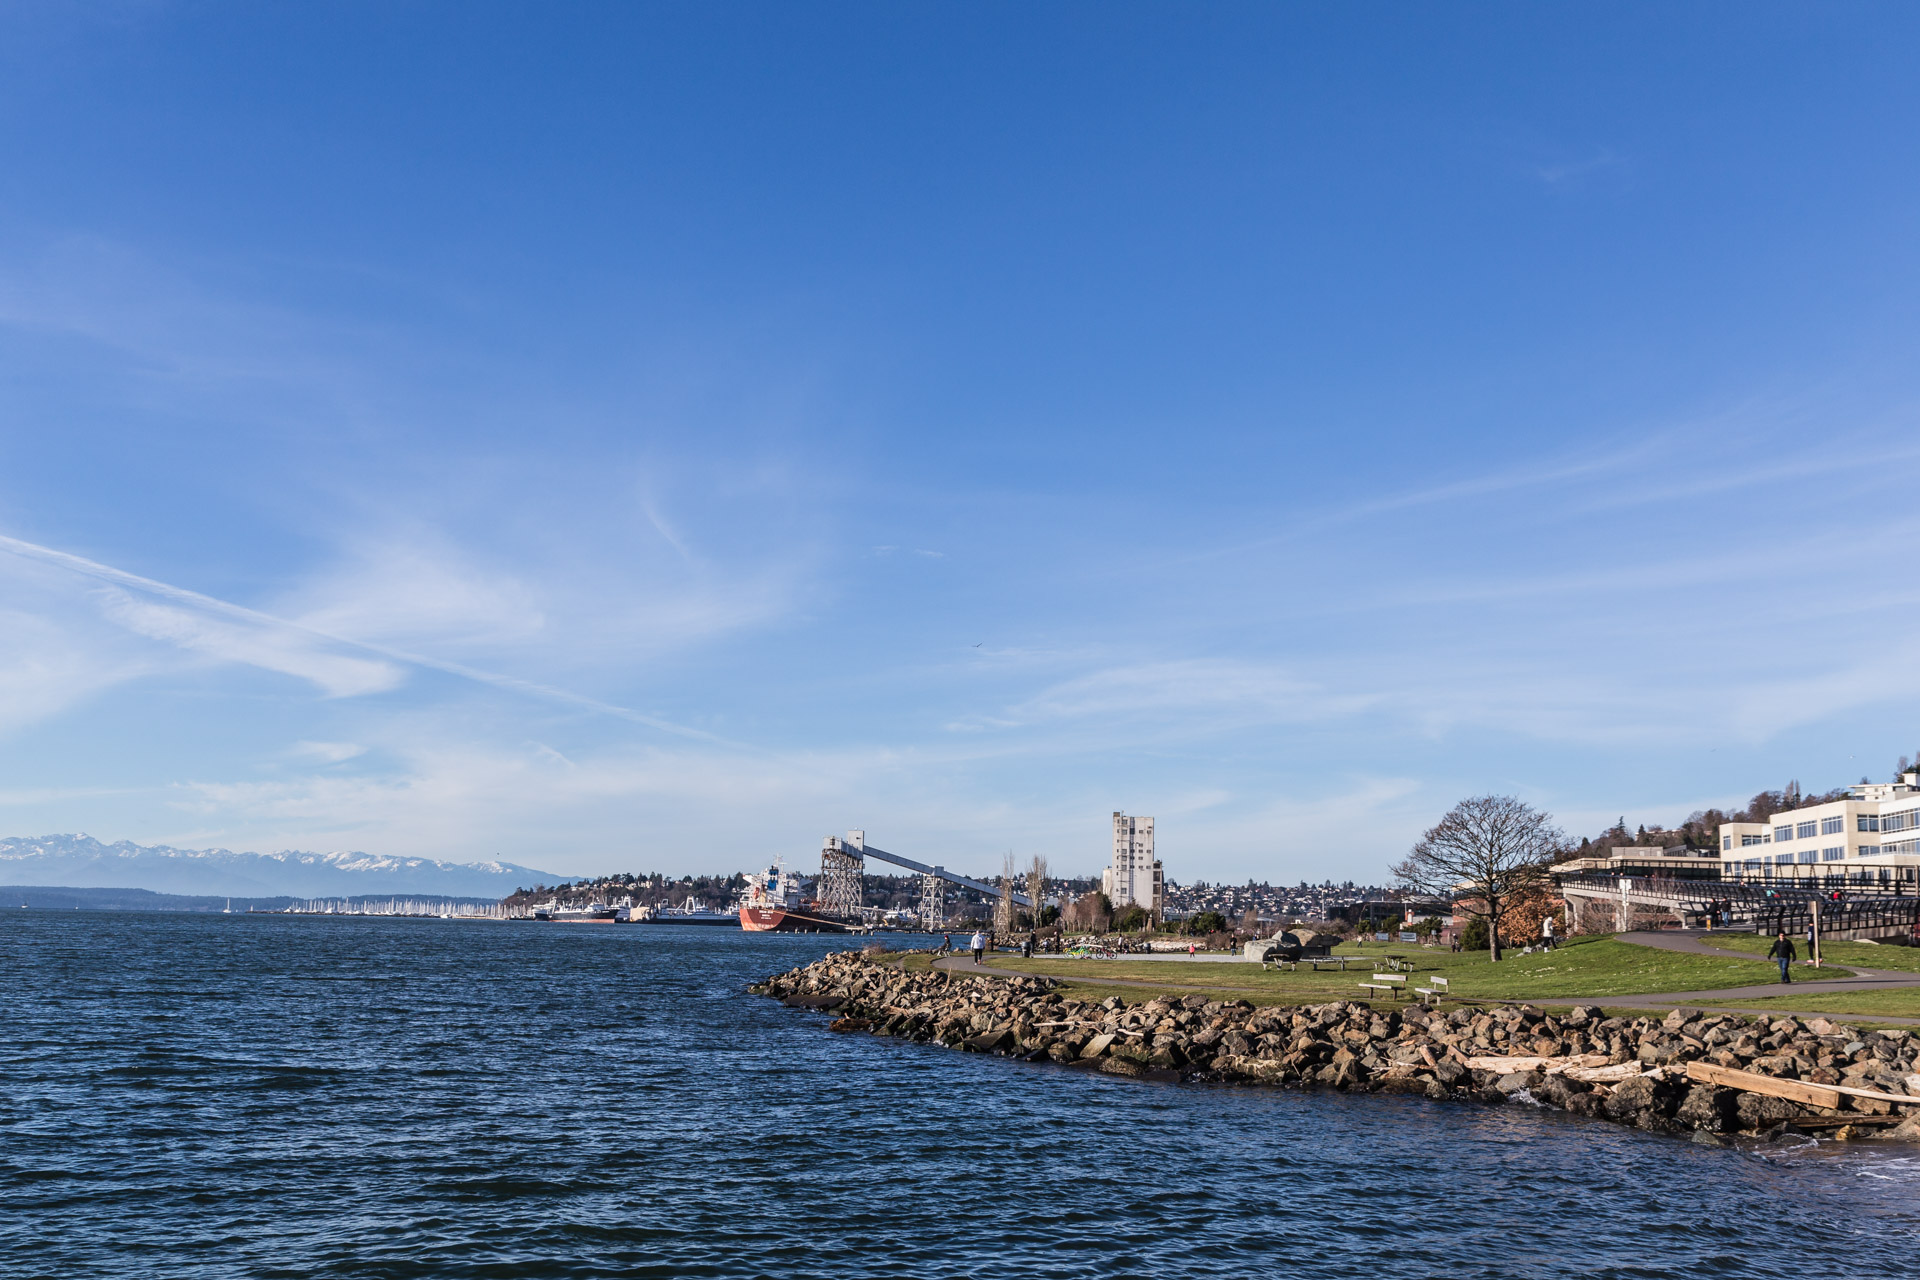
1694, 942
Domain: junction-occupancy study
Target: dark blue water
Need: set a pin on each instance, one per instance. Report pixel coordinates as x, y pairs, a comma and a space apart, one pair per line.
274, 1096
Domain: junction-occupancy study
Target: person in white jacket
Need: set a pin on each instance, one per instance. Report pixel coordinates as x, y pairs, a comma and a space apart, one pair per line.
1546, 933
979, 945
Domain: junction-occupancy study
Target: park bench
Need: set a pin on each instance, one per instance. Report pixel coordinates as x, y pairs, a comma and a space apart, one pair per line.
1436, 987
1392, 983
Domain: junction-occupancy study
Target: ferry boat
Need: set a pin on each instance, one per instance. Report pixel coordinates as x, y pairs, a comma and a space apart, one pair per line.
771, 904
693, 911
597, 913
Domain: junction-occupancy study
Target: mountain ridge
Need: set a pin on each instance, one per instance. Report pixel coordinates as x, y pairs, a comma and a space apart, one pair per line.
80, 861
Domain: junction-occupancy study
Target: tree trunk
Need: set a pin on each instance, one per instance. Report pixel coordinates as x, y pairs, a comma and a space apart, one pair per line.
1493, 927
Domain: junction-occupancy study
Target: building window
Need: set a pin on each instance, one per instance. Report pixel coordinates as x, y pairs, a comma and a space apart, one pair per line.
1752, 864
1779, 858
1808, 830
1726, 843
1868, 851
1783, 833
1833, 826
1805, 855
1833, 853
1869, 822
1750, 839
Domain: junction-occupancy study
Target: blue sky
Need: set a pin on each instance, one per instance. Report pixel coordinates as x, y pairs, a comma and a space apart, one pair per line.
634, 437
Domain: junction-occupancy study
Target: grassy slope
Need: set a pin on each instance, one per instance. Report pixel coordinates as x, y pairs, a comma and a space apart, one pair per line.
1582, 967
1864, 954
1902, 1002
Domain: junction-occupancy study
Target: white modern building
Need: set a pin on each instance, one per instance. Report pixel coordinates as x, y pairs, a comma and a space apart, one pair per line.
1871, 837
1135, 878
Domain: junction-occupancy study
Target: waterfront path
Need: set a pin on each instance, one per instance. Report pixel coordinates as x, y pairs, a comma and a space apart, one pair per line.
1694, 941
1691, 941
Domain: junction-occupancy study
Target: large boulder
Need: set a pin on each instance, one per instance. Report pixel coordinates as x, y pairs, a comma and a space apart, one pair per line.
1757, 1111
1636, 1094
1514, 1081
1907, 1130
1558, 1090
1708, 1107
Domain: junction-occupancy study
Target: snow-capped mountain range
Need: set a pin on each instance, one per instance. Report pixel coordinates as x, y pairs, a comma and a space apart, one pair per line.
83, 862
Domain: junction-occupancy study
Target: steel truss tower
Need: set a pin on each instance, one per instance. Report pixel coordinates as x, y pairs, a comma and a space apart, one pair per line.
841, 890
933, 903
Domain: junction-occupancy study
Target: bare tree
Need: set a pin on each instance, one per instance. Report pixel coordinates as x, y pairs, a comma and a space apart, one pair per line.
1037, 885
1485, 851
1003, 903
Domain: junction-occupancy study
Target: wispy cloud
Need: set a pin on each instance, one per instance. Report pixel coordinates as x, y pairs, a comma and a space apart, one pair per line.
1196, 686
1569, 174
339, 665
256, 642
327, 752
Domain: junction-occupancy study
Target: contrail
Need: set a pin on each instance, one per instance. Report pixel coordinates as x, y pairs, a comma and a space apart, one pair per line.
120, 577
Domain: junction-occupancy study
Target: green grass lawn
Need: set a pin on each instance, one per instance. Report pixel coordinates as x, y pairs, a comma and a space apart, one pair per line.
1864, 954
1592, 967
1902, 1002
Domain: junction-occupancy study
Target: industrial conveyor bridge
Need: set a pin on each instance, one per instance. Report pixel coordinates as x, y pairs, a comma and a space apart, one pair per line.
842, 863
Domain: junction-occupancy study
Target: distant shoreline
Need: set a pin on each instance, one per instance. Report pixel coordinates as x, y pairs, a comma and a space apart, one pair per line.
87, 898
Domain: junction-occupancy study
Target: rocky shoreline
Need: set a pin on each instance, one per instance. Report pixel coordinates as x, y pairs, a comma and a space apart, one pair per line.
1638, 1071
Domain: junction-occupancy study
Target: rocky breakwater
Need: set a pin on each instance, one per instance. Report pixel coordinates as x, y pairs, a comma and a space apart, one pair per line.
1706, 1075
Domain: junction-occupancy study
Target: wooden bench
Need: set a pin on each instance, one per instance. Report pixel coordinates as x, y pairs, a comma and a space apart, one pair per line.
1436, 987
1393, 983
1281, 962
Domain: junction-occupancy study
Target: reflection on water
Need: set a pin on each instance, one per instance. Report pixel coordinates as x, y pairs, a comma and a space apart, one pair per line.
245, 1096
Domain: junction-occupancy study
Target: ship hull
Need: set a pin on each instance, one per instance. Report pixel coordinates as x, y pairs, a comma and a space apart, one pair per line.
779, 920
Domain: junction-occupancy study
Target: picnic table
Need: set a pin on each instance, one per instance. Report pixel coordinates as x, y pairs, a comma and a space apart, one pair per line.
1279, 962
1398, 963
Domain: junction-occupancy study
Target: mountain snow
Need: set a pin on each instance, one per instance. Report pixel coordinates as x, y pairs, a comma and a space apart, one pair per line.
79, 861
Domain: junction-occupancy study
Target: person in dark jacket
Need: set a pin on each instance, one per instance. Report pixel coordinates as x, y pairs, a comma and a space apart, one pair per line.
1782, 950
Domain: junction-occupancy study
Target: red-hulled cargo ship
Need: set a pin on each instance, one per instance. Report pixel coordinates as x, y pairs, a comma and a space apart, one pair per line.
771, 904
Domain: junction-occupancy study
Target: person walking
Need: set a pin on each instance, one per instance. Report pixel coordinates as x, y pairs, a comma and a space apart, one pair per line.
1782, 950
946, 944
979, 944
1546, 933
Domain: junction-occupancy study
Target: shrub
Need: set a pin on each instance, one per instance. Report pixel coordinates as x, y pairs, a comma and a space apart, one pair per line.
1206, 922
1474, 936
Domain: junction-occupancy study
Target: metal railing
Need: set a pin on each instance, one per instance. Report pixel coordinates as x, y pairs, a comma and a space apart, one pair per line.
1765, 908
1880, 917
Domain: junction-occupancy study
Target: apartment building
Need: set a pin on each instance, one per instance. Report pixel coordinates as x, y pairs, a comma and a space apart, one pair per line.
1135, 878
1871, 837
